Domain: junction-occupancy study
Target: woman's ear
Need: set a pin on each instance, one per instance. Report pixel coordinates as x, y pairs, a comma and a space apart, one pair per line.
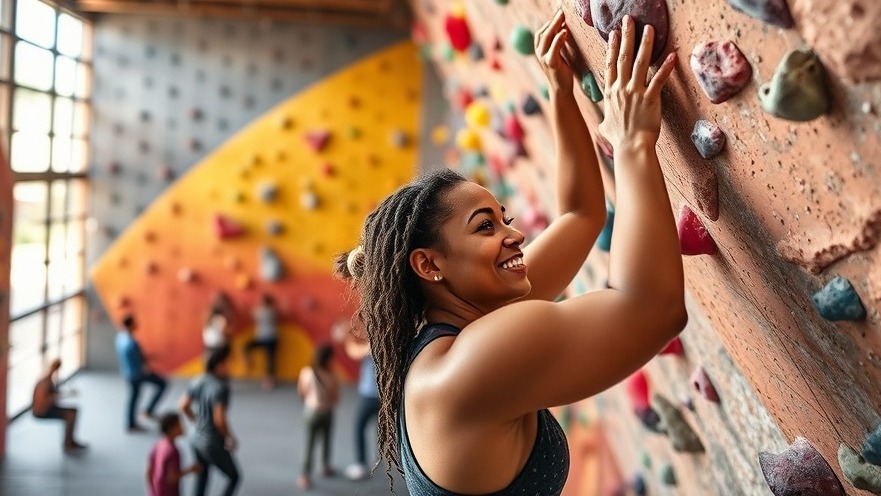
422, 262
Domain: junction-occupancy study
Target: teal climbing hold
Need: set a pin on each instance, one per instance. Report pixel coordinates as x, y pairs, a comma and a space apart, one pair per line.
645, 459
668, 476
838, 300
447, 52
857, 471
798, 90
502, 2
872, 447
590, 87
522, 40
604, 240
545, 93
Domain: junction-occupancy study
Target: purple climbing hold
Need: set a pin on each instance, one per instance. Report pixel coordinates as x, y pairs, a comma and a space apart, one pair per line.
774, 12
701, 382
708, 138
838, 300
799, 471
872, 447
607, 15
720, 68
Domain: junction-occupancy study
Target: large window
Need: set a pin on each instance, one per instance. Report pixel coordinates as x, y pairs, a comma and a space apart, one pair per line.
45, 71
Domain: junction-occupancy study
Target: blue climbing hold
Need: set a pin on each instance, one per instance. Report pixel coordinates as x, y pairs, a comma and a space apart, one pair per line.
838, 300
530, 106
637, 483
872, 447
604, 240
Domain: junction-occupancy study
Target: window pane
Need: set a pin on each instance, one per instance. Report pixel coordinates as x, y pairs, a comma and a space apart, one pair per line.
58, 200
33, 66
71, 354
5, 53
83, 78
76, 198
70, 35
72, 317
29, 152
74, 271
57, 263
22, 379
4, 115
80, 119
31, 111
35, 22
61, 154
75, 243
65, 76
28, 270
63, 118
53, 330
79, 150
25, 338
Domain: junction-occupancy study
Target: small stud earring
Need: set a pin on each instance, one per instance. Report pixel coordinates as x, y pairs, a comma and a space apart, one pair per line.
437, 277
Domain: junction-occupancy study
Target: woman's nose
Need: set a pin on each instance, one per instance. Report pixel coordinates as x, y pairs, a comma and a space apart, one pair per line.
514, 238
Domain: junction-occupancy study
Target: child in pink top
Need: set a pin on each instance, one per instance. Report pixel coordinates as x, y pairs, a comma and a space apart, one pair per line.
163, 466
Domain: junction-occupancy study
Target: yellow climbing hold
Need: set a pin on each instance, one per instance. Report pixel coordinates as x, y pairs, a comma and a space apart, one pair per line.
468, 139
477, 115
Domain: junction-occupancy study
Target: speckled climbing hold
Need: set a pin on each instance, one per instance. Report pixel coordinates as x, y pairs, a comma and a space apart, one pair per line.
682, 437
440, 135
530, 106
271, 267
317, 139
800, 470
475, 51
637, 483
857, 471
838, 300
708, 138
457, 28
400, 139
604, 240
774, 12
186, 275
522, 40
674, 347
702, 383
227, 228
607, 15
267, 191
720, 68
309, 200
274, 227
668, 476
798, 90
872, 447
693, 236
590, 87
468, 140
477, 114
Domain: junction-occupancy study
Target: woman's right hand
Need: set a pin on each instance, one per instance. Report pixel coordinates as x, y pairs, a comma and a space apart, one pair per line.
632, 106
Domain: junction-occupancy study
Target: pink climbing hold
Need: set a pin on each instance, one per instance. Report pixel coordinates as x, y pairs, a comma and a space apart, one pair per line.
317, 139
720, 68
637, 387
693, 236
799, 471
513, 129
702, 383
674, 347
582, 8
607, 16
226, 228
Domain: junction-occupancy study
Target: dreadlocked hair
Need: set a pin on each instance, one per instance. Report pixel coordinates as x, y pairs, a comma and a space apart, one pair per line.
392, 305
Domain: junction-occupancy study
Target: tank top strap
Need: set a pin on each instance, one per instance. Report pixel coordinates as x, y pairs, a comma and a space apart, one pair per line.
427, 334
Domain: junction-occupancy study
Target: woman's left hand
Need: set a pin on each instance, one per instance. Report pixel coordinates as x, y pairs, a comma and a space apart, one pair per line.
550, 42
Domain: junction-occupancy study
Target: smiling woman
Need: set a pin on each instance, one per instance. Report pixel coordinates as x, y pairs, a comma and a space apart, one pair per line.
470, 348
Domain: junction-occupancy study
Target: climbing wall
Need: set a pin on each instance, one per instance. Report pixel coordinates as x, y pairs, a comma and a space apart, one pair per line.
777, 198
210, 176
6, 218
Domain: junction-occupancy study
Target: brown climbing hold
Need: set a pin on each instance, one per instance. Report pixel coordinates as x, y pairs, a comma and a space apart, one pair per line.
150, 237
286, 122
800, 470
151, 268
673, 423
702, 383
798, 90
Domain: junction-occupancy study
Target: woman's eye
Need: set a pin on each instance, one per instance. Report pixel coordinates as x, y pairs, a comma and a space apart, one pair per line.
487, 224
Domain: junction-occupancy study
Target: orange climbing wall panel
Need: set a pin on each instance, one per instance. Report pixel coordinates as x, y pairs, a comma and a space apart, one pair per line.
784, 188
167, 265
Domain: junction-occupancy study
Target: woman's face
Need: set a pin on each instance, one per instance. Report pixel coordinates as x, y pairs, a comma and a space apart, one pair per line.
482, 263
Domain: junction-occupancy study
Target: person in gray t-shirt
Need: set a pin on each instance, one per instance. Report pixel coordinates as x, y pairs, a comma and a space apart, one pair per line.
266, 337
212, 438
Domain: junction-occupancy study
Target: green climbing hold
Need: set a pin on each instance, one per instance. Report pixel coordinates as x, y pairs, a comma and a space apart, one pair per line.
446, 52
798, 91
590, 87
861, 474
645, 459
545, 93
521, 39
425, 51
668, 477
502, 2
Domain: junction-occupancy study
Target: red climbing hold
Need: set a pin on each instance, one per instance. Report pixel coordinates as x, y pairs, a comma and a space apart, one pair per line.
457, 30
701, 382
637, 386
317, 139
693, 236
720, 68
513, 129
799, 471
674, 347
226, 228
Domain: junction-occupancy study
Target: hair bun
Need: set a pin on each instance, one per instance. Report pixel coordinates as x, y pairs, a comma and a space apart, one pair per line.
355, 262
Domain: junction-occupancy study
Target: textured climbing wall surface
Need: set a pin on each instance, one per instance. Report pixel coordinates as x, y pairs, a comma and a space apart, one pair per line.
789, 205
298, 178
6, 218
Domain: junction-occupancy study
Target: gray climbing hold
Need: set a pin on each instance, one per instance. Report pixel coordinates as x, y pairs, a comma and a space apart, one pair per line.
682, 437
590, 87
530, 106
872, 447
838, 300
857, 471
708, 138
267, 192
274, 228
668, 476
475, 51
271, 268
774, 12
800, 470
400, 139
798, 90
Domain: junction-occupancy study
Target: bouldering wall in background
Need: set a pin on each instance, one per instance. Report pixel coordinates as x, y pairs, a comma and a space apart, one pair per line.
778, 212
266, 211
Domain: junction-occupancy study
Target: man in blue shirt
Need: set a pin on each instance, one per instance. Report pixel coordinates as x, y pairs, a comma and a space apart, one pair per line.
133, 368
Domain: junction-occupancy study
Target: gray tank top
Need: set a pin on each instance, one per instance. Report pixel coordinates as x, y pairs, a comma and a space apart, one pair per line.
546, 468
